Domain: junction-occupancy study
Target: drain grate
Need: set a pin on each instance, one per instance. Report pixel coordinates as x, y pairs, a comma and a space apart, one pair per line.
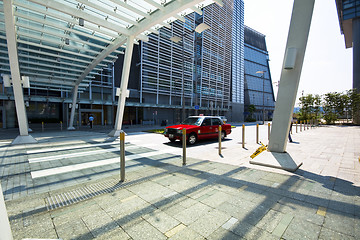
87, 192
80, 194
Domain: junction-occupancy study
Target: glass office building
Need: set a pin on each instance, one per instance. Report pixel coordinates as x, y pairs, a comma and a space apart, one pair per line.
258, 86
201, 74
195, 74
237, 89
349, 19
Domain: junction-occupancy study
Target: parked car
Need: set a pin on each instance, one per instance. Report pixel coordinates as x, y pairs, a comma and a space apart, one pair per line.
198, 128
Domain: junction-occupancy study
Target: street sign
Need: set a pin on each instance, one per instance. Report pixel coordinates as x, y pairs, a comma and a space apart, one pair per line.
197, 107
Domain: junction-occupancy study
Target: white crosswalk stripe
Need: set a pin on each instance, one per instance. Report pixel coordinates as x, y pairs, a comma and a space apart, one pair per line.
81, 166
80, 154
43, 150
70, 155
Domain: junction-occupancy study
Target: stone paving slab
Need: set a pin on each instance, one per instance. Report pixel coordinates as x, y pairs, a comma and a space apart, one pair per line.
208, 199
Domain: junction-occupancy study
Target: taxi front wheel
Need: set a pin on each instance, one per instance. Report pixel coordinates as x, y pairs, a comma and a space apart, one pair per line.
192, 139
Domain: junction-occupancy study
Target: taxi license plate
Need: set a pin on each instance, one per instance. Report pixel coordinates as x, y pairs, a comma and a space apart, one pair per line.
171, 135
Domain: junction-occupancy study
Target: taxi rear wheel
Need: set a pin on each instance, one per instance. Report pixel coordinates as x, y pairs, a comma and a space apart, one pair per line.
192, 139
223, 135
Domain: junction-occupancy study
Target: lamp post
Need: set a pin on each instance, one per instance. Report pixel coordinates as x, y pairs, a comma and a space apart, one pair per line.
263, 78
267, 104
199, 29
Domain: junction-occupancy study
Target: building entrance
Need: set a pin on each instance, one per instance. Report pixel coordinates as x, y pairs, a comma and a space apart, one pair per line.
96, 113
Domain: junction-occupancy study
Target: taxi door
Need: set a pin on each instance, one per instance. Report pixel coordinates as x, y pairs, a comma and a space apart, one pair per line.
215, 122
206, 129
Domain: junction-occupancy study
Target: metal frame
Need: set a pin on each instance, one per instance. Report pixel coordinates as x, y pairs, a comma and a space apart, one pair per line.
76, 34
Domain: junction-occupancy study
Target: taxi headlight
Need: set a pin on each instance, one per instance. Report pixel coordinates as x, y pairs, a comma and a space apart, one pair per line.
165, 130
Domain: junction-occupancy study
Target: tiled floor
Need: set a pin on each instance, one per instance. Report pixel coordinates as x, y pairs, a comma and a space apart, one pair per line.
206, 199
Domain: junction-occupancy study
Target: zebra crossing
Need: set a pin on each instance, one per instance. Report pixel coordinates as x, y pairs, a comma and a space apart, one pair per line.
52, 161
51, 165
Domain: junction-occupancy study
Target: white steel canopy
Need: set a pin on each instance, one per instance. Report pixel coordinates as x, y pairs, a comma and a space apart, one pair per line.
64, 43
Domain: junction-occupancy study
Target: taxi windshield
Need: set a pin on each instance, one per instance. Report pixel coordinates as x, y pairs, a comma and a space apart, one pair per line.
192, 121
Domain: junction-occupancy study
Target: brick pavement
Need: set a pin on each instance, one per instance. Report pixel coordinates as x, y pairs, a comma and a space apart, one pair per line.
207, 199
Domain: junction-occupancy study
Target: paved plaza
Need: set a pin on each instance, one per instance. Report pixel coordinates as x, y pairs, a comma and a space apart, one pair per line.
67, 186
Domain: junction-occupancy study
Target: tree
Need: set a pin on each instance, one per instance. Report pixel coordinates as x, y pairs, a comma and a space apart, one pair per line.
332, 107
306, 102
317, 106
310, 107
251, 110
354, 103
345, 104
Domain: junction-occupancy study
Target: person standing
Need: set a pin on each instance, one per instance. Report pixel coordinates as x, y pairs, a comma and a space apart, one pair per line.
291, 123
91, 119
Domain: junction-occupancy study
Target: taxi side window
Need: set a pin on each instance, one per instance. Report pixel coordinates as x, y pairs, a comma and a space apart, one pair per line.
206, 122
216, 121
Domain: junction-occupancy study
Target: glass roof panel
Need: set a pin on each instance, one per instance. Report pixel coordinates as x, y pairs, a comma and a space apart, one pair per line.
142, 6
62, 39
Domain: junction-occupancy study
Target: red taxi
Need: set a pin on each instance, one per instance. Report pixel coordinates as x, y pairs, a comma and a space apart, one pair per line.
197, 128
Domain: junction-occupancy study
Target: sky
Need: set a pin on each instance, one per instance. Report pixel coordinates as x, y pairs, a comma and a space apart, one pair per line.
327, 65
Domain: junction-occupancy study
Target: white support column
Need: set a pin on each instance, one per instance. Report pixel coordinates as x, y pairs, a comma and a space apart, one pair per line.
24, 136
288, 87
73, 107
290, 75
123, 88
5, 229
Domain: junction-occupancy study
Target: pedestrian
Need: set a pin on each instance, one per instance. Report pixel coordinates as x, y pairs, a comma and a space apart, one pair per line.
291, 123
91, 119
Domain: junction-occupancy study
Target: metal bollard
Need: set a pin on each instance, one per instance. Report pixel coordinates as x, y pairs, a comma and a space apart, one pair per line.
105, 122
296, 126
268, 131
220, 139
308, 122
257, 133
42, 126
61, 125
243, 136
184, 146
122, 156
300, 126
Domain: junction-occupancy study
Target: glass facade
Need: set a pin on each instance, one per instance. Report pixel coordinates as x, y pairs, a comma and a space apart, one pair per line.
163, 75
206, 79
238, 53
258, 86
215, 83
351, 9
